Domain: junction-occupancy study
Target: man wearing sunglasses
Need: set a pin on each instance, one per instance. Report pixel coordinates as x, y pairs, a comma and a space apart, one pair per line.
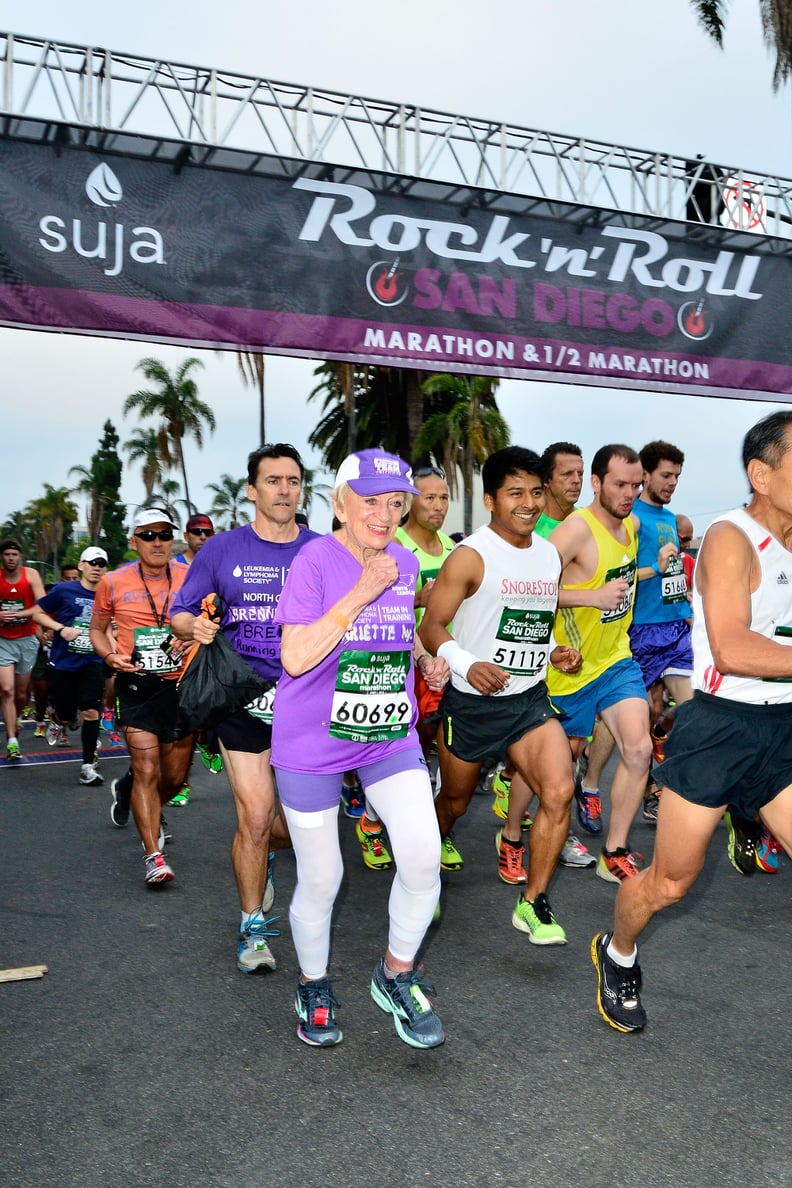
197, 531
75, 672
139, 598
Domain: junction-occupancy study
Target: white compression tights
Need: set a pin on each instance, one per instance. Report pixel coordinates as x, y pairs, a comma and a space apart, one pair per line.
404, 803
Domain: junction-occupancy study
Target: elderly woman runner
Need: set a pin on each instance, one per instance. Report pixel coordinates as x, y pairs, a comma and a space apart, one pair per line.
345, 701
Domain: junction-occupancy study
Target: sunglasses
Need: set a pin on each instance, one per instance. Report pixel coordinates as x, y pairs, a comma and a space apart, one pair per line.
685, 539
100, 562
426, 471
150, 534
201, 531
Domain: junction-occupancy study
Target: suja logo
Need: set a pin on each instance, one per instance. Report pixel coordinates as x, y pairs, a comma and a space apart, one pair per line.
385, 283
101, 240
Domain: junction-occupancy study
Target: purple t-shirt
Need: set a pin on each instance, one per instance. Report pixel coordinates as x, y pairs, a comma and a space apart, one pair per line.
248, 573
364, 688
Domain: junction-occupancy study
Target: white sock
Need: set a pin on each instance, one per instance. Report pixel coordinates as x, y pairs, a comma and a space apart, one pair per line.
618, 959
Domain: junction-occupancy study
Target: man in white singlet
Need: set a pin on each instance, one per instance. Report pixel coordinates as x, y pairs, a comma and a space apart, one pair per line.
732, 743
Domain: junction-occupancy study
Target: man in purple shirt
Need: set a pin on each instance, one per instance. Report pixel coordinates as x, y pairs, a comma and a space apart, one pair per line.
246, 568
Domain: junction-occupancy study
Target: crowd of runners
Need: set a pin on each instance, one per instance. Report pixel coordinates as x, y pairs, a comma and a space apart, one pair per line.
398, 668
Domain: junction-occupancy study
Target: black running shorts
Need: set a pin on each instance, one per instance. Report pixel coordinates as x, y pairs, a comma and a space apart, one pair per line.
724, 752
150, 703
475, 728
243, 732
73, 689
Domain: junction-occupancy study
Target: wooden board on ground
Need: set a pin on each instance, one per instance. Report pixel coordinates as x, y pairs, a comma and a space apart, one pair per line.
23, 973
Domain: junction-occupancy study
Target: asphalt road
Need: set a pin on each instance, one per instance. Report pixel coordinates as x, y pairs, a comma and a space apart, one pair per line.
144, 1057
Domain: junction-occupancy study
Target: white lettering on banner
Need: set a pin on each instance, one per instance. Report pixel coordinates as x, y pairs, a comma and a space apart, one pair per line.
640, 253
144, 251
437, 344
648, 365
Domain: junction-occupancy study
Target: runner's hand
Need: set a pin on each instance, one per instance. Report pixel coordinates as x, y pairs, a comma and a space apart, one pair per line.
487, 678
566, 659
380, 571
612, 594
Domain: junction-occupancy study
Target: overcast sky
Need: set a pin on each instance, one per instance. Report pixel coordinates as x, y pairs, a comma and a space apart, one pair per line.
620, 70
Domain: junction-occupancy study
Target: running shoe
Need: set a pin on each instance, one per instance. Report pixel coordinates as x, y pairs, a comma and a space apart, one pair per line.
315, 1006
40, 731
13, 753
574, 853
181, 799
742, 843
501, 786
658, 745
89, 775
450, 857
268, 898
353, 801
651, 805
405, 997
63, 737
52, 733
108, 720
620, 865
157, 869
165, 835
589, 808
537, 919
253, 952
618, 988
375, 853
210, 759
510, 860
120, 790
768, 852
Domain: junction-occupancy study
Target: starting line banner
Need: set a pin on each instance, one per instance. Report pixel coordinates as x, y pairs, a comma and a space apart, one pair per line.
382, 270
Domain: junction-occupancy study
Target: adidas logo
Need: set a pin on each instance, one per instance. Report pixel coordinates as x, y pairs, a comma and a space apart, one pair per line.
782, 579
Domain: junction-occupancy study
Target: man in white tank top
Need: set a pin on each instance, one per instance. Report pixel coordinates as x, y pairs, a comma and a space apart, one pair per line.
500, 589
731, 746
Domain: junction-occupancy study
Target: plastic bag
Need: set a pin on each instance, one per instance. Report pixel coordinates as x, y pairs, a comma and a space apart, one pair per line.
215, 681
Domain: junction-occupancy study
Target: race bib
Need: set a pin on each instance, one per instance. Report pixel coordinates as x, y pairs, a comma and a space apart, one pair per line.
673, 583
525, 635
782, 635
81, 646
155, 661
261, 707
370, 702
625, 606
13, 604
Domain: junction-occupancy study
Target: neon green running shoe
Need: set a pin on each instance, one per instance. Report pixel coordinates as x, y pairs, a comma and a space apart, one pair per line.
181, 799
501, 786
537, 919
211, 761
450, 857
372, 845
13, 753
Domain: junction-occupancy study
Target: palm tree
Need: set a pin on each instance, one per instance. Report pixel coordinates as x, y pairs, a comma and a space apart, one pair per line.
229, 500
167, 498
251, 368
776, 16
143, 446
464, 432
176, 402
311, 489
53, 514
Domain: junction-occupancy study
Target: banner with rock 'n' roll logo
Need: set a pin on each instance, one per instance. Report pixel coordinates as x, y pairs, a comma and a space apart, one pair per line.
300, 259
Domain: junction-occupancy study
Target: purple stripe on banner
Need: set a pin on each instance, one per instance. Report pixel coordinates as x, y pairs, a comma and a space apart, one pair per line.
364, 340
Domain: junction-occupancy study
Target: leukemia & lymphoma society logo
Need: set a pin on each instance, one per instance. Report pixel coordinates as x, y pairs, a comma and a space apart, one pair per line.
385, 283
112, 244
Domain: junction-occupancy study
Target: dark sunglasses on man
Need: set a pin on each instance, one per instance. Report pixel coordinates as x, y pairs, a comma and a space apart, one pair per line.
149, 534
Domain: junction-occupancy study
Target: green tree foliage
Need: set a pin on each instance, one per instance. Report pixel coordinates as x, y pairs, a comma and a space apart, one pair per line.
463, 432
230, 504
53, 515
100, 483
175, 403
776, 17
143, 446
364, 407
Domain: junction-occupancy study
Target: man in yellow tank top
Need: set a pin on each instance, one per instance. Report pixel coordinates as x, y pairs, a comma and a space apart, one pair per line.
598, 549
